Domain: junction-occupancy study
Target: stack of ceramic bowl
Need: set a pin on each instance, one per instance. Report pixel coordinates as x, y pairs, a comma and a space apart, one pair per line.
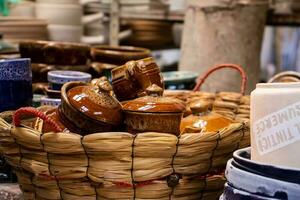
64, 17
252, 180
48, 56
56, 79
151, 34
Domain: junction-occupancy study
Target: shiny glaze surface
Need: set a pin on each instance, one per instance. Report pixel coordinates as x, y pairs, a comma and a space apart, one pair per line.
100, 106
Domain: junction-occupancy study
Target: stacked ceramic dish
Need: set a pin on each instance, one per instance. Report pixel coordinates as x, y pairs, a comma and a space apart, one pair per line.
16, 29
147, 33
48, 56
96, 23
253, 180
64, 18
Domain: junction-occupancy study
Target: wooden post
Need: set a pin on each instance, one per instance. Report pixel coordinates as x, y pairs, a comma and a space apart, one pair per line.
219, 31
114, 23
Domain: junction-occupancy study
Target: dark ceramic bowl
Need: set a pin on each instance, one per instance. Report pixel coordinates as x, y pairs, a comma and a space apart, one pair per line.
61, 53
118, 55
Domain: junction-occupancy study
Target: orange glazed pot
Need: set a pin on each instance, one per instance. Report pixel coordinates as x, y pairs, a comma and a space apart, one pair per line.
153, 113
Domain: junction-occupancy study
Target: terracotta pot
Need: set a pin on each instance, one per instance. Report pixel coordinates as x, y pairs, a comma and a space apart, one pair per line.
55, 52
118, 55
132, 79
153, 113
90, 109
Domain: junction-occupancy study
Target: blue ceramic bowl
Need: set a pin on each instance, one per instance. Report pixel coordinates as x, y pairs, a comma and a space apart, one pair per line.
15, 84
57, 78
45, 101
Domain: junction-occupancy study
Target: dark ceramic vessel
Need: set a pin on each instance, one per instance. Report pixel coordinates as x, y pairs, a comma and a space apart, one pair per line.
61, 53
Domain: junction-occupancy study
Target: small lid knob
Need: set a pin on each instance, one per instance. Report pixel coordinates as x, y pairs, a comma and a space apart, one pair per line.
200, 106
102, 84
154, 90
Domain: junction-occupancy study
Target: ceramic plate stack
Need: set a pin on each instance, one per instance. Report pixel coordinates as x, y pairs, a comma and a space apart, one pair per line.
64, 19
152, 34
96, 23
19, 28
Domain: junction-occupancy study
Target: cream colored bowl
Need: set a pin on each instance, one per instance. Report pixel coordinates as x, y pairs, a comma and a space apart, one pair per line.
63, 14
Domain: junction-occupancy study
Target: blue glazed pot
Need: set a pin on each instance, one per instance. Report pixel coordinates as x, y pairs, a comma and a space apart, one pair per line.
57, 78
15, 84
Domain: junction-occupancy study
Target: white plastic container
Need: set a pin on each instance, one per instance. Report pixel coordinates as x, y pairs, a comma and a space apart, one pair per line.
275, 124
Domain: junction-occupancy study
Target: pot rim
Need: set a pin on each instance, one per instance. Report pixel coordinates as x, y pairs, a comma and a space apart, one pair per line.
119, 50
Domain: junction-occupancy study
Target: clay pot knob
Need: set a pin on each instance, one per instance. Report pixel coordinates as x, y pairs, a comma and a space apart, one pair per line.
154, 90
200, 106
131, 65
102, 84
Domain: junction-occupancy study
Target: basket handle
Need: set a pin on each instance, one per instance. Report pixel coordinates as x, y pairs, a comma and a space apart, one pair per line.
32, 111
202, 79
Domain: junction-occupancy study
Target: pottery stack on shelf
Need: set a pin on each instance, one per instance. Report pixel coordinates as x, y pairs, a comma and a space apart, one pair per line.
15, 29
49, 56
64, 17
96, 23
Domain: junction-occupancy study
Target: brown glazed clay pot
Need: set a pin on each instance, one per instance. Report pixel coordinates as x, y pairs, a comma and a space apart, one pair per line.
118, 55
132, 79
153, 113
60, 53
89, 109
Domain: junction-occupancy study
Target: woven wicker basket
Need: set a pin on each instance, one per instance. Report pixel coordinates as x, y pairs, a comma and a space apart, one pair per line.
118, 165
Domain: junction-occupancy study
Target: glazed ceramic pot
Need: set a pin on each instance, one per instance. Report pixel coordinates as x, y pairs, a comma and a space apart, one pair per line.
132, 79
90, 109
55, 52
57, 78
153, 113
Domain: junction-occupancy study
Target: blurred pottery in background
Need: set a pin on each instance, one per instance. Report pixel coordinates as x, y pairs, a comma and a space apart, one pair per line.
15, 84
55, 52
153, 113
46, 101
23, 8
132, 79
58, 13
284, 77
180, 80
68, 33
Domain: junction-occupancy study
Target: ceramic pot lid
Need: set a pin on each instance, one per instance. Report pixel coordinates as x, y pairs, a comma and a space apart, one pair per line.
96, 102
154, 102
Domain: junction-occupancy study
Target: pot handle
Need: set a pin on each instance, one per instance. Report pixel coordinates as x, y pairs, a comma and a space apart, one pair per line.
202, 79
32, 111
